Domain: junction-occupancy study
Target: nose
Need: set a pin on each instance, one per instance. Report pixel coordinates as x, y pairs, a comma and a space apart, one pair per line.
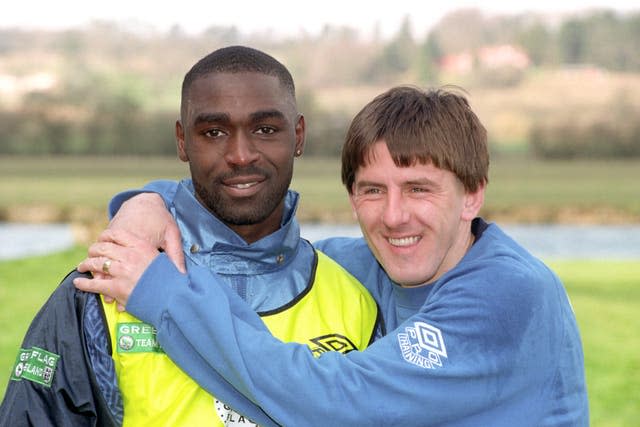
396, 210
240, 150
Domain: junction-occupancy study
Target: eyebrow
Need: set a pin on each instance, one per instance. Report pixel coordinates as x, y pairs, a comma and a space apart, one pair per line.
267, 114
421, 181
367, 184
418, 181
211, 118
256, 116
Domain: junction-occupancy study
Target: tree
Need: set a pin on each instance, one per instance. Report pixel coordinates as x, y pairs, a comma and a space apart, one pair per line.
572, 40
396, 57
538, 41
429, 55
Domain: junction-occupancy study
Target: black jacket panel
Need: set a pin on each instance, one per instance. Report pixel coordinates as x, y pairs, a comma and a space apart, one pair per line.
74, 398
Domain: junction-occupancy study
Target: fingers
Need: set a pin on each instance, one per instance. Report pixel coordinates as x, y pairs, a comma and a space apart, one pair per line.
97, 286
99, 266
118, 236
155, 227
117, 245
111, 288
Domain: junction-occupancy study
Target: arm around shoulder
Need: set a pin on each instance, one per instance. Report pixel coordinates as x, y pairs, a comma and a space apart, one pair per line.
465, 357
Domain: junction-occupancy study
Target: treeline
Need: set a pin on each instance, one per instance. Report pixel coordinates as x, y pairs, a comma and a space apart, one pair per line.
116, 90
615, 136
601, 38
107, 125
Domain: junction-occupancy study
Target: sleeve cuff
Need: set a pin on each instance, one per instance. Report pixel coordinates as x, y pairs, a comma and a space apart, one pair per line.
149, 299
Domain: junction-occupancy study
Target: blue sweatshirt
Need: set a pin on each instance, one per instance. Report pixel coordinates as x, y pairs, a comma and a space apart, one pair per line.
493, 342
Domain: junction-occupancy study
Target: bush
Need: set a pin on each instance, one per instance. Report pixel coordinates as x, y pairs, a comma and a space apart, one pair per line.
615, 137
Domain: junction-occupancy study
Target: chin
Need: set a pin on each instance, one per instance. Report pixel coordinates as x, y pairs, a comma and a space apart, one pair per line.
403, 279
408, 283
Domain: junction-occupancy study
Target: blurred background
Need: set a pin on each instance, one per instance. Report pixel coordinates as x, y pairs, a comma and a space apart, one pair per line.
557, 84
89, 94
560, 82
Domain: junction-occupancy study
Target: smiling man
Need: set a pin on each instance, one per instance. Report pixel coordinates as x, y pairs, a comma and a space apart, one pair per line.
416, 221
482, 332
241, 159
240, 131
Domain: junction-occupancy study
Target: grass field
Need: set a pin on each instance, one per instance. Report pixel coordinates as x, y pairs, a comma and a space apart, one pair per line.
520, 189
605, 297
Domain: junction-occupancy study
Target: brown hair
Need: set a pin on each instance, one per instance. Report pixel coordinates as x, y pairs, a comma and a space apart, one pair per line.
435, 126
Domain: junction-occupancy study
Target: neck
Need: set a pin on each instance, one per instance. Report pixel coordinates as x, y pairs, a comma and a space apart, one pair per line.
254, 232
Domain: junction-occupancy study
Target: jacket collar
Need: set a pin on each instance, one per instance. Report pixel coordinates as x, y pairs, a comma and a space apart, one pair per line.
206, 240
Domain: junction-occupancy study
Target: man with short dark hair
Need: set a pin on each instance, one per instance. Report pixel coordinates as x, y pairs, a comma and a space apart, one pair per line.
84, 362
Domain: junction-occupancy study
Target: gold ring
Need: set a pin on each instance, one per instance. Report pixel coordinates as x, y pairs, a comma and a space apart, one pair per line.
106, 266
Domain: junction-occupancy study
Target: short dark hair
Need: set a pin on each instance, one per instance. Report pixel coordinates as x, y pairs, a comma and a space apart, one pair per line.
435, 126
237, 59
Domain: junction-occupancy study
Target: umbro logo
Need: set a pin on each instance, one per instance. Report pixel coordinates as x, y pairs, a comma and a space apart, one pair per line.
331, 342
422, 345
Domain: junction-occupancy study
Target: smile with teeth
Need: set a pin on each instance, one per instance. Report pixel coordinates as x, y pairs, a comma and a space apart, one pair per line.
404, 241
244, 185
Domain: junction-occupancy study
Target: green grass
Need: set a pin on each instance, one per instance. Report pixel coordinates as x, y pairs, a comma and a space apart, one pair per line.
605, 296
68, 181
587, 186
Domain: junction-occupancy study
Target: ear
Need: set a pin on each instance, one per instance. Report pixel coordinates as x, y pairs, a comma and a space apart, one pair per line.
180, 144
473, 202
300, 134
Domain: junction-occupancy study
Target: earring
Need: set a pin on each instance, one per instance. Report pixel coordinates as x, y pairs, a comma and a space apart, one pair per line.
298, 153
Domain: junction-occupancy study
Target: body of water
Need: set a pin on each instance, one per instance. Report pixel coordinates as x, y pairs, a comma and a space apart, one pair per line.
546, 241
25, 240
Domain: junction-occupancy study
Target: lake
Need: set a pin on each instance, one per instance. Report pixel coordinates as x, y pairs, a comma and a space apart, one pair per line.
557, 241
23, 240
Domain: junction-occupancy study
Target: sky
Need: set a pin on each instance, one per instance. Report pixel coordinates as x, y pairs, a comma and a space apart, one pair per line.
283, 17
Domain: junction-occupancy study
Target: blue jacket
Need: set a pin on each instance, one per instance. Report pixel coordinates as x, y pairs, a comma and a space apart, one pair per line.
493, 342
